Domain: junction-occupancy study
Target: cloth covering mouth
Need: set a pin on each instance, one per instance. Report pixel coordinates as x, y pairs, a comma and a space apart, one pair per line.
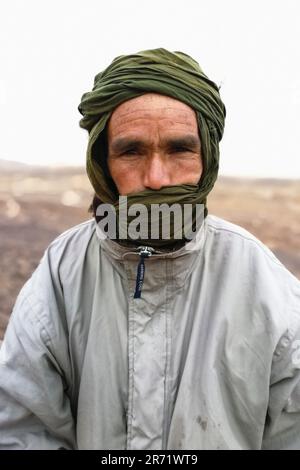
173, 74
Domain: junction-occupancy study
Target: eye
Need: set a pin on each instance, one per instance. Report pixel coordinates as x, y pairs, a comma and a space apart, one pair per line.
180, 149
130, 152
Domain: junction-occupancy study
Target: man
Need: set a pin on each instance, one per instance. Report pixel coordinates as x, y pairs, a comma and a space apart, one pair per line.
153, 343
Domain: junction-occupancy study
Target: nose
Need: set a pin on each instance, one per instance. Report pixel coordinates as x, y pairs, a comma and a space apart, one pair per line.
156, 174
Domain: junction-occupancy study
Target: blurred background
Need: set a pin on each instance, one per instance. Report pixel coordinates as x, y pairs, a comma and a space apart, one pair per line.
49, 55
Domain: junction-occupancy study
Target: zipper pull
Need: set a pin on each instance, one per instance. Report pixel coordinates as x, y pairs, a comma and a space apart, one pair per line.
144, 252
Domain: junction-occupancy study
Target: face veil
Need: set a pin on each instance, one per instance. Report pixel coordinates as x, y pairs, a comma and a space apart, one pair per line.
173, 74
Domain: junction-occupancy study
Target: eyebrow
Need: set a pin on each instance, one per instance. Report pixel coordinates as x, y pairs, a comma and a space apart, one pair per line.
123, 143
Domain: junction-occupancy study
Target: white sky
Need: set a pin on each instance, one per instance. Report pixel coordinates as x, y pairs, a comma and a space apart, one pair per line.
51, 50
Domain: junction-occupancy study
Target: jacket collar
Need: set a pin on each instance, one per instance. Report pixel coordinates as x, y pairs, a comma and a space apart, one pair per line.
173, 267
121, 252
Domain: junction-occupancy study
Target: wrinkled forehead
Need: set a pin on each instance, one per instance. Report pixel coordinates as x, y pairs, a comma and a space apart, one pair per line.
151, 107
153, 101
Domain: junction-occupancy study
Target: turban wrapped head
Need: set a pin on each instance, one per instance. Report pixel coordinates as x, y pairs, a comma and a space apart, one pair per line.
173, 74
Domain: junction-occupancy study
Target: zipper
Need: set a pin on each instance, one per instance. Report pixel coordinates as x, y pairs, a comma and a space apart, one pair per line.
144, 252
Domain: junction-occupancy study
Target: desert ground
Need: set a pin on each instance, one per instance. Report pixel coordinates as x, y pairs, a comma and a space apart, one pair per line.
37, 204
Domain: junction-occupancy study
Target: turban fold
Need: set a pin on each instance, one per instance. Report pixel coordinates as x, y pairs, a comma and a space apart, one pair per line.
173, 74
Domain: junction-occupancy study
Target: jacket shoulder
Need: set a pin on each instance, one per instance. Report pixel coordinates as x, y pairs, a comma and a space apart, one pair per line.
75, 237
231, 233
44, 289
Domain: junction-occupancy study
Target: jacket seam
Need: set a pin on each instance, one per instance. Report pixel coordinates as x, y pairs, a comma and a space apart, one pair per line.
71, 230
255, 242
168, 358
131, 335
36, 308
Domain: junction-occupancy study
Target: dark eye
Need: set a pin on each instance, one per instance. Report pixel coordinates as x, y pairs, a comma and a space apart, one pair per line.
130, 152
180, 149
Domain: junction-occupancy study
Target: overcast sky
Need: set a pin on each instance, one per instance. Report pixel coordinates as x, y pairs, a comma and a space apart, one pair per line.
51, 50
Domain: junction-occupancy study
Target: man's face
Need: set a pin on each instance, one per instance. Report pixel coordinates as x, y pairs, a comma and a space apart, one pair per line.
153, 142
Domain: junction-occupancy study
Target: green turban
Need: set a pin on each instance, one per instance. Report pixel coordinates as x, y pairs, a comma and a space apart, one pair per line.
173, 74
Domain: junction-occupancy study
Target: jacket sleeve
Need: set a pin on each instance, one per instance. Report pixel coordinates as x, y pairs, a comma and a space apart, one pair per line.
282, 428
35, 411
